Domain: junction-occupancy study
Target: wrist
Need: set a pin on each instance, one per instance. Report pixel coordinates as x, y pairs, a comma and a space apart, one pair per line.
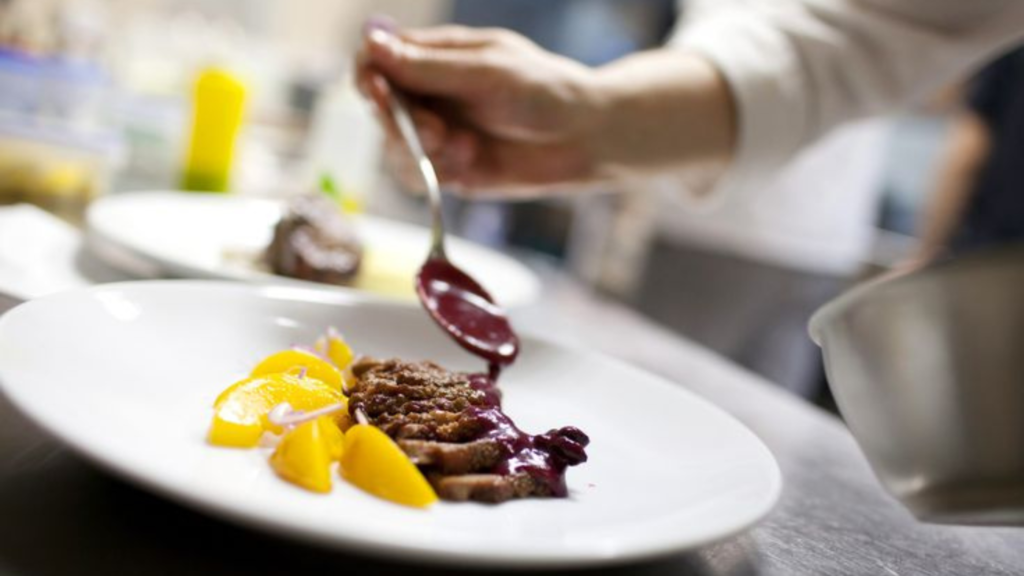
584, 109
589, 109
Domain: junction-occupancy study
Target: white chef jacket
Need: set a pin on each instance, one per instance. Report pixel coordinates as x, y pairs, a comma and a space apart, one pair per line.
799, 68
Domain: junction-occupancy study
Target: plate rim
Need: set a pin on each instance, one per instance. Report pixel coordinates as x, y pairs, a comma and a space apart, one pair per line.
373, 546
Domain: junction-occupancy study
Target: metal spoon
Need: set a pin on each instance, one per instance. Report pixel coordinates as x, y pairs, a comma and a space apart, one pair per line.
406, 127
454, 300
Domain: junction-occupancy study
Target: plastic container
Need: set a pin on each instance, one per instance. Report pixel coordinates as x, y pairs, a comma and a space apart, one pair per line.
218, 105
345, 145
53, 170
57, 146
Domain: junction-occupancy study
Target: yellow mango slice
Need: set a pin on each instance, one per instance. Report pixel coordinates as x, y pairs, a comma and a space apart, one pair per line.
290, 362
303, 457
373, 462
334, 347
333, 436
240, 413
295, 360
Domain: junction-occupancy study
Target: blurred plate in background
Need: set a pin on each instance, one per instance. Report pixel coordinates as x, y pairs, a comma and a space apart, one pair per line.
196, 235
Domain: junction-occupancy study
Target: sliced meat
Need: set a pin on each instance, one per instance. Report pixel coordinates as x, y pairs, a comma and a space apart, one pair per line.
314, 241
454, 458
456, 433
492, 488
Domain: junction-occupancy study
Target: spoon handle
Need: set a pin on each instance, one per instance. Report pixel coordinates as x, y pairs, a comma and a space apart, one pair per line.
400, 112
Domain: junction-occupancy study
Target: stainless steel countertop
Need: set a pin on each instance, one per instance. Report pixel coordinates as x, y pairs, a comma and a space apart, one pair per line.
60, 515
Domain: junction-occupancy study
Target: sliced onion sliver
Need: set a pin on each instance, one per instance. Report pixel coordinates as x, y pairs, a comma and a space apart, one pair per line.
361, 416
278, 413
309, 350
269, 440
283, 414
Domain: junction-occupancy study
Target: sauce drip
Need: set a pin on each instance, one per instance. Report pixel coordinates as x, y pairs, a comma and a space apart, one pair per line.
543, 456
468, 313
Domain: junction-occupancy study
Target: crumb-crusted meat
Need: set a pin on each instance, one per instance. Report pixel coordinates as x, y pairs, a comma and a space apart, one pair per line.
416, 400
431, 413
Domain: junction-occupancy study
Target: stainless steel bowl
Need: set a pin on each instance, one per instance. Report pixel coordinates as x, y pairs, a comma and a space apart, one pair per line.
928, 371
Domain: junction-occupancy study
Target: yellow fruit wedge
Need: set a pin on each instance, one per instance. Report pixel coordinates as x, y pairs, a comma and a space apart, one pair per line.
333, 436
240, 413
373, 462
294, 360
303, 457
291, 362
336, 350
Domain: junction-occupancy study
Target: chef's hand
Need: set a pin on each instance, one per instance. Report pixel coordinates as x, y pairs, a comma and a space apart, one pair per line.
492, 109
497, 113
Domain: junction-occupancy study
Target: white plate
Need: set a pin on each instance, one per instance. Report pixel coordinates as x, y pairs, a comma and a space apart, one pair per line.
220, 236
125, 374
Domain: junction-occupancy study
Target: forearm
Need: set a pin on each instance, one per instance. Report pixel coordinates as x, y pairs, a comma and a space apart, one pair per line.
965, 154
660, 110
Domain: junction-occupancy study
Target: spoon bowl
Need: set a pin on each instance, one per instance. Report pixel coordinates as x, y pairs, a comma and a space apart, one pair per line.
467, 312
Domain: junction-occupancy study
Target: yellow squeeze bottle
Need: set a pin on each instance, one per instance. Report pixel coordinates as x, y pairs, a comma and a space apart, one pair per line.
218, 101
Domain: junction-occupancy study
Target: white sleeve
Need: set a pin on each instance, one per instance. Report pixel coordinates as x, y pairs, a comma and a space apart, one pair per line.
797, 68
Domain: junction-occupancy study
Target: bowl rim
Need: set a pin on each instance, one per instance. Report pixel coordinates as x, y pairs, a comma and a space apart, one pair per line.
838, 306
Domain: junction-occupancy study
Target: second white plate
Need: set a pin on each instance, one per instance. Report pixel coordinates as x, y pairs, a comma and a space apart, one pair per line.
217, 236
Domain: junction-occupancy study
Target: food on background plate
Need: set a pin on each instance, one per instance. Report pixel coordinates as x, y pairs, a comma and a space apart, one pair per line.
314, 241
407, 432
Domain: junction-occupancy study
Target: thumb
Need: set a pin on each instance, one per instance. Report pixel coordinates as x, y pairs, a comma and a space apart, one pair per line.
427, 70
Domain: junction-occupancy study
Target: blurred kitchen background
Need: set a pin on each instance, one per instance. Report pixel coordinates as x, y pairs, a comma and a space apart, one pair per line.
97, 97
